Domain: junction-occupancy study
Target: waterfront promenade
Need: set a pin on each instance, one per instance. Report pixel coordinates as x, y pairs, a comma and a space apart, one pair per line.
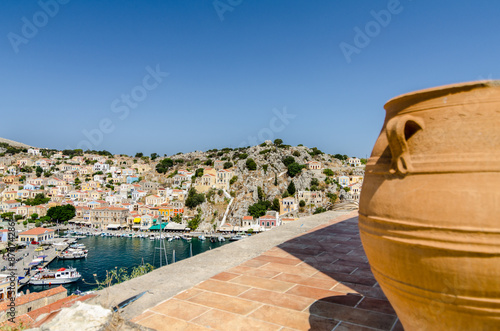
23, 257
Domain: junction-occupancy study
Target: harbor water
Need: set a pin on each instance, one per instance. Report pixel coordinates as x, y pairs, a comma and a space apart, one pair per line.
108, 253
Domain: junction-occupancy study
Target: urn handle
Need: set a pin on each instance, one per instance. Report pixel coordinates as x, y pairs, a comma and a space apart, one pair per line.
399, 129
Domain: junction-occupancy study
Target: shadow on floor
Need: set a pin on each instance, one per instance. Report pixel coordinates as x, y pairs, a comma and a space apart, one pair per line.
357, 302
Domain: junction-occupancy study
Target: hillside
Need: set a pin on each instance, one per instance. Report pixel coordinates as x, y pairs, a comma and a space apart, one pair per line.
271, 177
14, 143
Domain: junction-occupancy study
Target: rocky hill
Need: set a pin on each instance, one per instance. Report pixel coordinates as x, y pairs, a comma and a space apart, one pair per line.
271, 175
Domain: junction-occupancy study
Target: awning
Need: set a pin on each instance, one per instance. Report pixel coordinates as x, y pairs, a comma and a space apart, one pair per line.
137, 220
114, 226
35, 263
157, 226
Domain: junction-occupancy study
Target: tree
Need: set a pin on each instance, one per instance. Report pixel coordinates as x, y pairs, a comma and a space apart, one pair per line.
7, 215
278, 142
39, 171
209, 162
198, 172
251, 165
243, 156
296, 153
154, 156
302, 203
38, 224
294, 169
332, 196
61, 213
319, 210
288, 160
177, 218
328, 172
233, 180
260, 193
314, 184
291, 188
275, 180
194, 199
195, 222
163, 166
259, 209
228, 164
265, 166
39, 199
34, 216
139, 155
276, 205
18, 217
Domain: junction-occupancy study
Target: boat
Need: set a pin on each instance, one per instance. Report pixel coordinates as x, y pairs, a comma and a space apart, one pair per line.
151, 237
79, 246
186, 238
170, 239
201, 237
177, 237
213, 239
54, 277
221, 238
235, 238
72, 255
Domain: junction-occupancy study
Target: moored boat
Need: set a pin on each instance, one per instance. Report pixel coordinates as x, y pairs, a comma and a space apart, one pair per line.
54, 277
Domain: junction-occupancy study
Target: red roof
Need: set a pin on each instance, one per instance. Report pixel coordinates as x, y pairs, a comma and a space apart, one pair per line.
37, 231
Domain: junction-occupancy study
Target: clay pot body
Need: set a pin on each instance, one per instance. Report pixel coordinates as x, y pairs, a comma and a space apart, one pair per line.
429, 214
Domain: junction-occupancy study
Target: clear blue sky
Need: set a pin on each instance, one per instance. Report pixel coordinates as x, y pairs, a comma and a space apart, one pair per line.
231, 69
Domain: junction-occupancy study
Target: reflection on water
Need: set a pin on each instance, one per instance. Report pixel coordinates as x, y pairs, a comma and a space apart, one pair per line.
106, 253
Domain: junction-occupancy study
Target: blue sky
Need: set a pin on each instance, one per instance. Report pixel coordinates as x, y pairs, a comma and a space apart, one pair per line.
178, 76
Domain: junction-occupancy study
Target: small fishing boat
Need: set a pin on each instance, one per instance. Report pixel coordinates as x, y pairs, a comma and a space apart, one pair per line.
201, 237
221, 238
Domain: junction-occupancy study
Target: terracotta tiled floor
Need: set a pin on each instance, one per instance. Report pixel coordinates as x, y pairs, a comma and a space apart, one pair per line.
319, 280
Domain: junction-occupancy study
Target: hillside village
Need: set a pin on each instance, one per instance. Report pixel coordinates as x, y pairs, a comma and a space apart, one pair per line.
242, 189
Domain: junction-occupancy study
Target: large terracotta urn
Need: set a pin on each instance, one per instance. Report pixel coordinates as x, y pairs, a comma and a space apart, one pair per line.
429, 214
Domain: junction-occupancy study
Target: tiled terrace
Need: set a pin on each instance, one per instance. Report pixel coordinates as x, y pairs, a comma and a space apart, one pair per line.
319, 280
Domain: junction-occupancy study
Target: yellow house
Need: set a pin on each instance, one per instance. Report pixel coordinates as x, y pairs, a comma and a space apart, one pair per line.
10, 195
166, 211
90, 185
223, 178
288, 205
37, 234
206, 182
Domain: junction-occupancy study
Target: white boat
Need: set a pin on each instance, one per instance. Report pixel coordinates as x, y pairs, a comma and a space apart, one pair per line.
235, 238
186, 238
79, 246
177, 237
221, 238
152, 237
201, 237
72, 255
54, 277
